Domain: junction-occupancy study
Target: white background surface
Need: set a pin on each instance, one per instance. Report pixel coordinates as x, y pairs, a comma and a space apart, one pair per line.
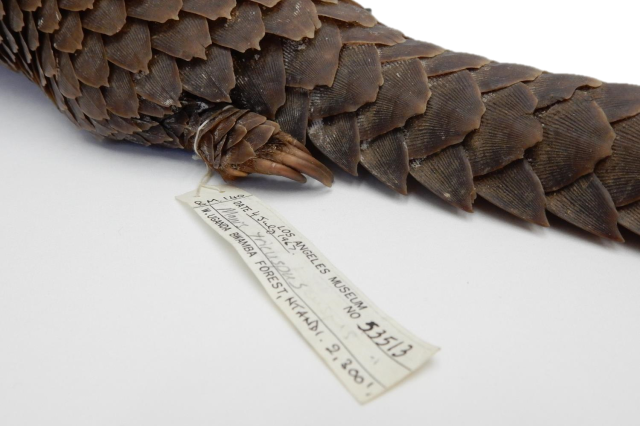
119, 307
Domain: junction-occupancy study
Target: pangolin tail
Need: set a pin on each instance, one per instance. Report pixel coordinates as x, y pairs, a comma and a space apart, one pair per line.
245, 84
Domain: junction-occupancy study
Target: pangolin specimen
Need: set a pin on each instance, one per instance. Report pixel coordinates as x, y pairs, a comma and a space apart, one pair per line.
246, 83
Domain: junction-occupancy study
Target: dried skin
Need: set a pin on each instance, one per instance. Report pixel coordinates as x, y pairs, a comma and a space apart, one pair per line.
210, 76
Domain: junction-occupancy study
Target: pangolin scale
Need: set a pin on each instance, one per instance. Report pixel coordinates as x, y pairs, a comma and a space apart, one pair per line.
246, 84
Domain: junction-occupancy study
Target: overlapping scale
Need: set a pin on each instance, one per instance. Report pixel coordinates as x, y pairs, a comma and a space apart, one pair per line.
378, 34
496, 76
403, 95
346, 12
210, 9
211, 78
292, 19
67, 80
70, 35
92, 102
120, 95
260, 79
448, 175
72, 5
106, 17
550, 88
629, 217
338, 138
587, 204
313, 62
293, 116
154, 10
388, 160
185, 38
357, 82
48, 16
28, 5
90, 63
131, 47
162, 84
454, 109
517, 190
409, 49
577, 136
242, 31
620, 173
449, 62
508, 128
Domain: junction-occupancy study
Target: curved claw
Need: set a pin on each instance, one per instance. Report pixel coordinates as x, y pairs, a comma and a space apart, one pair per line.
290, 140
303, 166
306, 155
232, 174
277, 154
268, 167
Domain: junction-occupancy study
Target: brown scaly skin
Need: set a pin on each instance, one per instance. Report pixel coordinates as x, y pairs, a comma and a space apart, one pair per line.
246, 83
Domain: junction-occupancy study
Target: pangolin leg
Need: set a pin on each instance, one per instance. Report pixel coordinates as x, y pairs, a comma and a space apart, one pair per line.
237, 143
